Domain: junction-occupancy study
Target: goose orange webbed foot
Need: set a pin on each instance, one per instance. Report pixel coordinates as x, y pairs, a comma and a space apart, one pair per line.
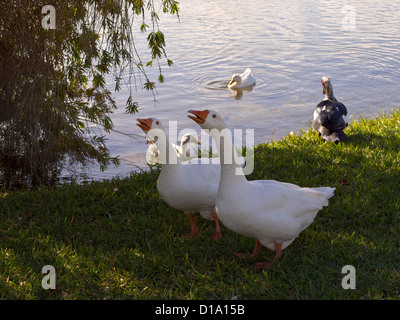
261, 265
216, 236
264, 265
191, 235
250, 255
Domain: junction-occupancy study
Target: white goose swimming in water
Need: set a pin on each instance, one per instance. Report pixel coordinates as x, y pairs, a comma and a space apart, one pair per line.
243, 80
272, 212
328, 116
190, 188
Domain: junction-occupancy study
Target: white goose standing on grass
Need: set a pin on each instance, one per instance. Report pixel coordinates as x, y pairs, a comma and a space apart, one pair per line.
328, 115
243, 80
272, 212
190, 188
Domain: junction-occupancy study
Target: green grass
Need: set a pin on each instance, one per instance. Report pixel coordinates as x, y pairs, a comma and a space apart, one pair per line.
118, 239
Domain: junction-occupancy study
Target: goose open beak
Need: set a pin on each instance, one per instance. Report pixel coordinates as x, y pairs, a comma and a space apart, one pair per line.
199, 116
144, 124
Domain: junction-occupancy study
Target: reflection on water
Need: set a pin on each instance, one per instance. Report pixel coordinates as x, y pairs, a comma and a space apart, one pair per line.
217, 85
289, 46
223, 85
238, 93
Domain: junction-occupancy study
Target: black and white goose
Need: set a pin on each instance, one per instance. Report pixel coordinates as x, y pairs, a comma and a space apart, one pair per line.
328, 115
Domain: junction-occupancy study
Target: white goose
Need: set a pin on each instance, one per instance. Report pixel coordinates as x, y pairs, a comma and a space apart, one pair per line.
243, 80
272, 212
188, 148
190, 188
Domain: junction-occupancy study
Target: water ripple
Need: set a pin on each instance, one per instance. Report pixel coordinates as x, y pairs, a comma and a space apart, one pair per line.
289, 45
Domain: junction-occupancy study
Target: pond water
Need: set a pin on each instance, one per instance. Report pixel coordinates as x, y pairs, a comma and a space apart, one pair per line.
289, 46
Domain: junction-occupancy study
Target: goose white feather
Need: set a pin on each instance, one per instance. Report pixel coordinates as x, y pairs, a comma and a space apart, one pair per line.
190, 188
243, 80
272, 212
188, 148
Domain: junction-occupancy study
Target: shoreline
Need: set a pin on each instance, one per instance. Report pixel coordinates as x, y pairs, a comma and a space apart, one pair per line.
69, 179
117, 239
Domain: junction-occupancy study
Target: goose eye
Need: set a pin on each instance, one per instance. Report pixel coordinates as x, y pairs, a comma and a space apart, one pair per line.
157, 122
214, 115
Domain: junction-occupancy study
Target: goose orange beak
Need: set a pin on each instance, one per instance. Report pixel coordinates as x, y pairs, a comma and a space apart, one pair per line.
144, 124
199, 116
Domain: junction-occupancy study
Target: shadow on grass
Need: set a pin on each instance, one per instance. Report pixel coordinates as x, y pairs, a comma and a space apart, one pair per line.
119, 240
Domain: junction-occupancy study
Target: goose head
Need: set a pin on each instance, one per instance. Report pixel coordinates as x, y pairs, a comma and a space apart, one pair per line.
152, 127
235, 81
185, 142
327, 88
188, 138
326, 84
208, 119
150, 123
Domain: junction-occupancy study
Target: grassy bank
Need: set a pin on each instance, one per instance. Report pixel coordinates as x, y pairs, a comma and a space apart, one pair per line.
118, 240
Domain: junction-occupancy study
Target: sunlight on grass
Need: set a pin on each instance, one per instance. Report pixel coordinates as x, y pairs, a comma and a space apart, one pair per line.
118, 239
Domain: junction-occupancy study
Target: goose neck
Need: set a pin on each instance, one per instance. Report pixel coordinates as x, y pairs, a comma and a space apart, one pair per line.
329, 94
230, 170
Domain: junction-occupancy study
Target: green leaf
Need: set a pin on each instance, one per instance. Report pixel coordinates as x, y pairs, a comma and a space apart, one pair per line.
98, 80
149, 85
117, 83
131, 106
143, 27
